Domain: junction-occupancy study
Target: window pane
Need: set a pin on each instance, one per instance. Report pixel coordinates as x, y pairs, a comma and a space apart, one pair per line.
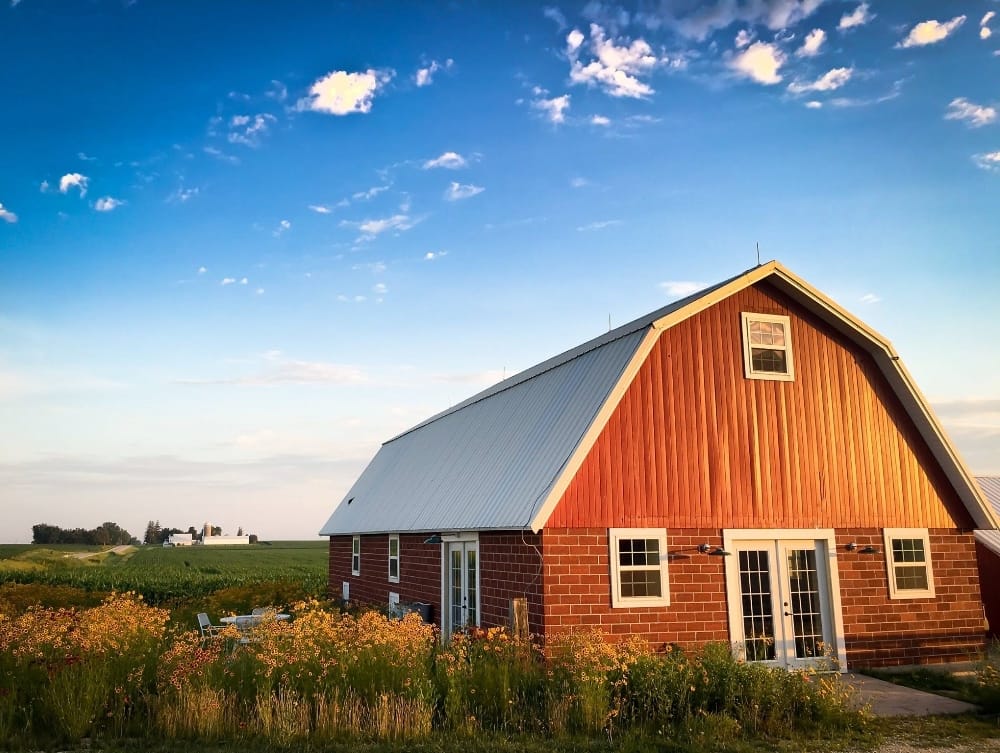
908, 550
638, 552
393, 547
636, 583
765, 359
393, 568
911, 577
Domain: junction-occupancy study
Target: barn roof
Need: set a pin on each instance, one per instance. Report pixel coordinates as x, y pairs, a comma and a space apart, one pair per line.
991, 490
502, 458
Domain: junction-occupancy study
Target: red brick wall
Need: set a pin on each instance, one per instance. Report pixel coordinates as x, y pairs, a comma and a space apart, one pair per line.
510, 567
578, 589
419, 571
989, 574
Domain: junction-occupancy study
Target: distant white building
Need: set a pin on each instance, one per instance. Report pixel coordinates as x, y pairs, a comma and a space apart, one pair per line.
179, 539
224, 540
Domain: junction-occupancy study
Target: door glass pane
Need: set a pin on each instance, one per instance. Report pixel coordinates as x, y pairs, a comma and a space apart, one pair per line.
457, 623
472, 595
804, 603
758, 617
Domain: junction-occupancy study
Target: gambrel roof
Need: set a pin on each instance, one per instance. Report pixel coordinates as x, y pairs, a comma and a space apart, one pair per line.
502, 459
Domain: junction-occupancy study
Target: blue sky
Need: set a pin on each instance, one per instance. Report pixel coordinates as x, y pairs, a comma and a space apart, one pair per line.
241, 244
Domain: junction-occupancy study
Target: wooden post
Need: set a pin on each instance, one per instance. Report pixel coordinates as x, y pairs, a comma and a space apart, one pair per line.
519, 617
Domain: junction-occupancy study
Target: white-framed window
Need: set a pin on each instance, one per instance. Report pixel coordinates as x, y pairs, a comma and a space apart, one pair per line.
767, 347
908, 558
638, 567
356, 555
395, 612
394, 558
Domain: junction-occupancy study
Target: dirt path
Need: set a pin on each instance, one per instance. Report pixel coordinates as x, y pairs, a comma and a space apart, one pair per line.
122, 549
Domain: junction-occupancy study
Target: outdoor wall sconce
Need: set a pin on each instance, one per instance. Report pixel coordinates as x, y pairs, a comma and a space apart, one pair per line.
435, 539
853, 547
711, 551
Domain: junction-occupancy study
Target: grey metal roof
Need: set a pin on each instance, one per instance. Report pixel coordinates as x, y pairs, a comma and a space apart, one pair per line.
485, 463
991, 489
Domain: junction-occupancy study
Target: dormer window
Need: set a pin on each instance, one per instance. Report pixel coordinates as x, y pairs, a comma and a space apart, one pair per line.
767, 347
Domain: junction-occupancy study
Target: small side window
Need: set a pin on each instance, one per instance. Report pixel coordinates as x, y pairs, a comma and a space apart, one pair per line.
767, 347
394, 558
638, 567
908, 558
356, 555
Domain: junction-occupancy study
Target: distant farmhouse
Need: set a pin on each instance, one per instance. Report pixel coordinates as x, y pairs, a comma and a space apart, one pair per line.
750, 464
207, 539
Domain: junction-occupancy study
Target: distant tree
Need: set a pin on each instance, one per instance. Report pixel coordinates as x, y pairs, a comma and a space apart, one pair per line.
43, 533
253, 538
166, 533
216, 530
239, 531
105, 534
152, 532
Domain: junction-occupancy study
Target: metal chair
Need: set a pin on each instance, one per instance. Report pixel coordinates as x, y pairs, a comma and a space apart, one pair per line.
208, 630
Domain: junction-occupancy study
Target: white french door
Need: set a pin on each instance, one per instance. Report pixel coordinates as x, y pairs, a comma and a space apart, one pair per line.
786, 606
461, 585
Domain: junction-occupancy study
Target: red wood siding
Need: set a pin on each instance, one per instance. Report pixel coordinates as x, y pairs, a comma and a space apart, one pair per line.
419, 571
695, 444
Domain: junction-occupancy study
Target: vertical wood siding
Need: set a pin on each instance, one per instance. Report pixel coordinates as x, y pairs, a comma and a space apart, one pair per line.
695, 444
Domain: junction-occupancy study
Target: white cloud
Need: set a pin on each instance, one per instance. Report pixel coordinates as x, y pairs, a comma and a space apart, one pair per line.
698, 19
598, 225
244, 281
183, 194
930, 32
984, 31
107, 204
988, 161
600, 120
831, 80
83, 156
554, 108
760, 62
681, 288
278, 91
259, 291
457, 191
743, 38
615, 68
448, 160
975, 115
371, 193
812, 44
320, 208
578, 182
380, 288
249, 129
6, 215
74, 180
857, 17
434, 255
202, 270
372, 228
812, 104
987, 18
221, 155
341, 93
228, 281
425, 76
283, 226
44, 186
870, 298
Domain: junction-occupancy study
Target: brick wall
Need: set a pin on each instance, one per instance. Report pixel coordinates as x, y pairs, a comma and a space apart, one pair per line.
419, 571
510, 567
880, 631
577, 582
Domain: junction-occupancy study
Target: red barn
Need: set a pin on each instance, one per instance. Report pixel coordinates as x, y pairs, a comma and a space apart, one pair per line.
750, 464
988, 551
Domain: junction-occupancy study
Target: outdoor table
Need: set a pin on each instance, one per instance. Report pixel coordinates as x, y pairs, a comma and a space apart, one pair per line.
245, 621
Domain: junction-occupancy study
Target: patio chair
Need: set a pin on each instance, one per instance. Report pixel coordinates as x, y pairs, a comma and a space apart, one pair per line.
208, 630
258, 611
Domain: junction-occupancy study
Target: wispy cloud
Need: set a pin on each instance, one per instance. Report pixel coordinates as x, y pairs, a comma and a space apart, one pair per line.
369, 229
555, 15
249, 129
74, 180
83, 157
228, 281
6, 215
697, 20
370, 193
988, 161
202, 270
276, 369
278, 91
975, 115
681, 288
221, 155
760, 62
600, 120
615, 68
108, 204
458, 191
578, 182
343, 93
930, 32
829, 81
857, 17
812, 45
600, 225
283, 227
985, 32
554, 107
870, 298
894, 91
183, 195
380, 288
434, 255
425, 76
448, 160
320, 208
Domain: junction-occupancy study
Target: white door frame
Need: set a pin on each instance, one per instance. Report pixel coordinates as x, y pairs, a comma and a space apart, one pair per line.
779, 539
447, 541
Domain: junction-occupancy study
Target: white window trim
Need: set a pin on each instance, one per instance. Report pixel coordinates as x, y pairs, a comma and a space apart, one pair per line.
394, 537
623, 602
355, 555
395, 611
908, 533
746, 318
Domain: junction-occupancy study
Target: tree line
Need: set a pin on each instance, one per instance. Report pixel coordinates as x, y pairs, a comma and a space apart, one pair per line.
106, 534
156, 534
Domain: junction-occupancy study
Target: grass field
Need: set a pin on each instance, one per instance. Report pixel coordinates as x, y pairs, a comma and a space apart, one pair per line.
163, 575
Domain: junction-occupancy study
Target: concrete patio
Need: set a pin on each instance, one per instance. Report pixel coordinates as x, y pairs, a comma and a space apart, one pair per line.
887, 699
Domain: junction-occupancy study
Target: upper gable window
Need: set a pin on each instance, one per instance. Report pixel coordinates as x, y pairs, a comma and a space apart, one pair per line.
767, 347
